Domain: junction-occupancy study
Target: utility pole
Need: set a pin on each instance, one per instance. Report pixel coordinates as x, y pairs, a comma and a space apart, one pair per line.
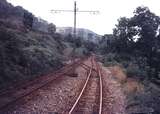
75, 10
75, 18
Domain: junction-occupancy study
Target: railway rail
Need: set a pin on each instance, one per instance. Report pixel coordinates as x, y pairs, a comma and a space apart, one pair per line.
89, 100
24, 84
90, 97
8, 98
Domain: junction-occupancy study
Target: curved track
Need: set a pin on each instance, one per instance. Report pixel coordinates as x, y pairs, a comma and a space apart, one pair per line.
89, 100
8, 98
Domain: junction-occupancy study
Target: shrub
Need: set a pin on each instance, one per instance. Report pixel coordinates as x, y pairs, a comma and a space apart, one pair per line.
109, 60
134, 67
26, 55
51, 28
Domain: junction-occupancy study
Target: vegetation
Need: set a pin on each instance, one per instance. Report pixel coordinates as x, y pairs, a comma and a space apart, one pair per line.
29, 46
81, 46
26, 55
135, 44
28, 20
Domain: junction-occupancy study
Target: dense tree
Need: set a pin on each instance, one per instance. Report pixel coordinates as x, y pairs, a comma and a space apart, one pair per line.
139, 36
148, 24
51, 28
28, 20
106, 43
124, 34
90, 46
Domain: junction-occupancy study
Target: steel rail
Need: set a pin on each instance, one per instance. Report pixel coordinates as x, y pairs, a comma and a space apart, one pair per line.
101, 88
98, 70
35, 89
82, 91
25, 84
87, 66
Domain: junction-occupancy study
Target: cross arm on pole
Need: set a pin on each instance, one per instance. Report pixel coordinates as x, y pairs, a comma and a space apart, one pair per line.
55, 11
75, 11
83, 11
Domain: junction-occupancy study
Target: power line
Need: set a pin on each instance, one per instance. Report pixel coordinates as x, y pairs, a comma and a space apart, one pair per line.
75, 11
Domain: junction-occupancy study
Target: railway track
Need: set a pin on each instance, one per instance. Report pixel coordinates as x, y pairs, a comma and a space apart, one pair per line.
8, 98
89, 100
25, 84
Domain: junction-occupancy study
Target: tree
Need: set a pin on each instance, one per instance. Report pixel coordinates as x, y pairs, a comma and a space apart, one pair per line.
28, 20
91, 47
78, 42
107, 44
138, 36
124, 36
69, 38
51, 28
148, 23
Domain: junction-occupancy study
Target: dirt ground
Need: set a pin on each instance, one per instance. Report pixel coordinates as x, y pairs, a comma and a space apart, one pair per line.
59, 96
56, 97
142, 97
114, 99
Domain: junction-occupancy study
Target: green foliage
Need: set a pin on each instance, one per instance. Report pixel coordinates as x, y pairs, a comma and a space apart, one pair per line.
135, 38
133, 67
25, 55
28, 20
78, 42
81, 46
133, 70
136, 47
69, 38
91, 47
51, 28
106, 44
109, 60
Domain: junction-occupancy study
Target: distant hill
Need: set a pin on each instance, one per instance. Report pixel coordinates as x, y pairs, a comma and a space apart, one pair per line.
86, 34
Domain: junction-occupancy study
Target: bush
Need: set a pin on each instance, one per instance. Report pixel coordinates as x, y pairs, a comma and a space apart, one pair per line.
51, 28
134, 67
26, 55
109, 60
133, 70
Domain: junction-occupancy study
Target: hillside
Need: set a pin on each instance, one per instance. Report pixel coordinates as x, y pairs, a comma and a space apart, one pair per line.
31, 47
26, 52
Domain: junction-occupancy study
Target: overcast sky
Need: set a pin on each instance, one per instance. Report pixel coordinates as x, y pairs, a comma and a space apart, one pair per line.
103, 23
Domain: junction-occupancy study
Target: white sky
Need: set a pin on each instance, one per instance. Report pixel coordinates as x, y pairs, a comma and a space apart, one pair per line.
110, 11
